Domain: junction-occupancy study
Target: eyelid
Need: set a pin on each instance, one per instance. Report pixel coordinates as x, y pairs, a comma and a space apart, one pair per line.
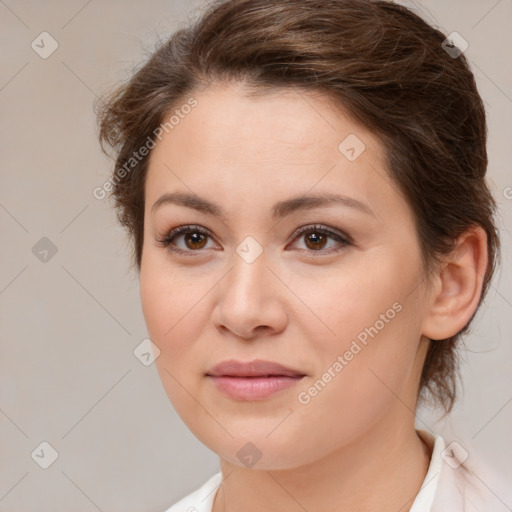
332, 232
166, 239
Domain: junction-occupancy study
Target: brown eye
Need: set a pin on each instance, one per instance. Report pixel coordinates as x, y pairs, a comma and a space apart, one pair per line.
317, 237
194, 238
315, 240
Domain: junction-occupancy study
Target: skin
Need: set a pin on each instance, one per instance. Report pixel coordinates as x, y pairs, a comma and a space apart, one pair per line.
296, 305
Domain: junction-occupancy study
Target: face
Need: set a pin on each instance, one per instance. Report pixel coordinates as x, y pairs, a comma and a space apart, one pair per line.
329, 286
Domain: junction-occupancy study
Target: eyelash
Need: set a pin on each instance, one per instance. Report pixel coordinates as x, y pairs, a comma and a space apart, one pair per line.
167, 240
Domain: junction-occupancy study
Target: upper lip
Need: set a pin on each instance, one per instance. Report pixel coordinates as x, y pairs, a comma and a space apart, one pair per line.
256, 368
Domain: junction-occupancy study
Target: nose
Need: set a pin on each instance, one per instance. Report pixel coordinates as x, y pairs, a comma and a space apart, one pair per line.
250, 300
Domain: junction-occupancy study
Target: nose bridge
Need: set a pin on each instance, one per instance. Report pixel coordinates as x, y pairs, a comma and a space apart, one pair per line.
249, 277
247, 297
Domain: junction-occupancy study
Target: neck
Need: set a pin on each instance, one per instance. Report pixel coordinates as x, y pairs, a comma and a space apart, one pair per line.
382, 470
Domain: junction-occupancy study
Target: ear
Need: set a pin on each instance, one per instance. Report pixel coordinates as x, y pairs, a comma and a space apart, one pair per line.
457, 286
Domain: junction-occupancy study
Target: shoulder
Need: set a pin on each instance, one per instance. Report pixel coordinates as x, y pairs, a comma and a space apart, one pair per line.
200, 500
465, 484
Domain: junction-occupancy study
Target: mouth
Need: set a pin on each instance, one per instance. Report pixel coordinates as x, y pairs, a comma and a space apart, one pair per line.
254, 380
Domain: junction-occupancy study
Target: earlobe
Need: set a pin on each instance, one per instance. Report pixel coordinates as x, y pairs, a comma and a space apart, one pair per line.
458, 286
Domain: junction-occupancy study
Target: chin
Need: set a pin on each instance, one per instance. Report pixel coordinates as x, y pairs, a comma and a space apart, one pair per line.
259, 451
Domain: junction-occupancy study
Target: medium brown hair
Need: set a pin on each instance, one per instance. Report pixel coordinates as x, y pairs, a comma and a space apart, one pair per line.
376, 60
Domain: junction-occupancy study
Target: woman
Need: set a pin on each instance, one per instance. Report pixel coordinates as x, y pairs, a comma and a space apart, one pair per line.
304, 183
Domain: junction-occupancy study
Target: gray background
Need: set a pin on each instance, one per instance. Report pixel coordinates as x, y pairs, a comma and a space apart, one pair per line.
69, 325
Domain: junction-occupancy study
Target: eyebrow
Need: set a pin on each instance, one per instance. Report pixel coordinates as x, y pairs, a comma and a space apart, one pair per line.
279, 210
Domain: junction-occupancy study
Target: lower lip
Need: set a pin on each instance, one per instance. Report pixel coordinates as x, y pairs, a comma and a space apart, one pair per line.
253, 388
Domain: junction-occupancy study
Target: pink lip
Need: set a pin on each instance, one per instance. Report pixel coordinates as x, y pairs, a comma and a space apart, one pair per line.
254, 380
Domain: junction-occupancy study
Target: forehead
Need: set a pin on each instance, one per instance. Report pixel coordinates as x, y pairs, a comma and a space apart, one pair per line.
288, 121
267, 144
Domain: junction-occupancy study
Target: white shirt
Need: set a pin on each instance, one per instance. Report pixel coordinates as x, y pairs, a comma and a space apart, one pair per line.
446, 487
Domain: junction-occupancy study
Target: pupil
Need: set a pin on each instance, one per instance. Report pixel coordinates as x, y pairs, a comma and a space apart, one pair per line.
196, 238
317, 240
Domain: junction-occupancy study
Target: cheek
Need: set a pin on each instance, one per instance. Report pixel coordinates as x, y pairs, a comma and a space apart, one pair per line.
152, 294
167, 297
370, 318
171, 312
352, 298
176, 311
